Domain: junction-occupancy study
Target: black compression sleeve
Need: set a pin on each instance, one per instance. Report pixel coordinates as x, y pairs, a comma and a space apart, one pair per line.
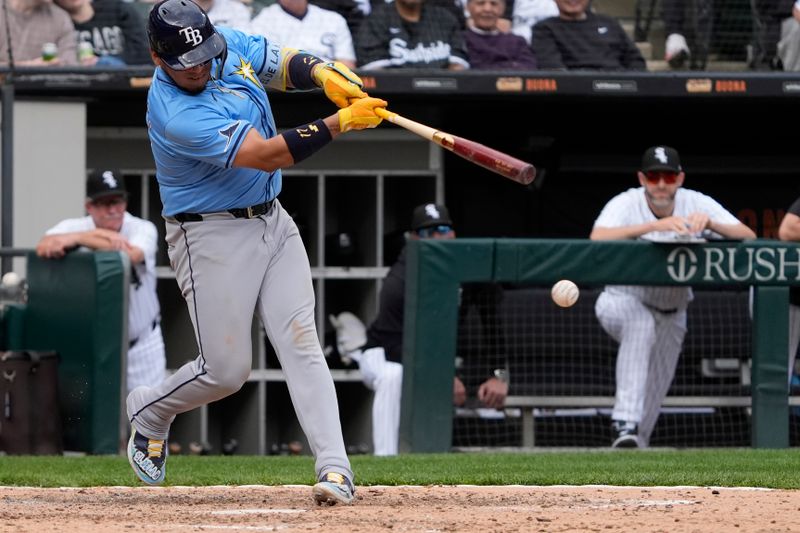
300, 66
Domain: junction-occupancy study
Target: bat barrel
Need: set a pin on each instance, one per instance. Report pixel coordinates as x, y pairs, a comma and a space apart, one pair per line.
490, 159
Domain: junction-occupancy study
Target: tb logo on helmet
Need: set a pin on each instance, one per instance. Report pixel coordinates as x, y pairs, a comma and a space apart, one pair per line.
191, 35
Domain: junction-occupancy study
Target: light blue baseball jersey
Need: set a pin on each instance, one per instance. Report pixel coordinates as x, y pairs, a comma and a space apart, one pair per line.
195, 137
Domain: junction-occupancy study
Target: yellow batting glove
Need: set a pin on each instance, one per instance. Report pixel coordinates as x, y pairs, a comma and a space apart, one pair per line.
339, 83
361, 114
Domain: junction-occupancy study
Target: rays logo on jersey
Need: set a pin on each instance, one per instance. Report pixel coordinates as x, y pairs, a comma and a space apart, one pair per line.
228, 133
247, 72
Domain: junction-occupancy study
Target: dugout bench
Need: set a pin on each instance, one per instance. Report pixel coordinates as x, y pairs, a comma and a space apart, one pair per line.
436, 270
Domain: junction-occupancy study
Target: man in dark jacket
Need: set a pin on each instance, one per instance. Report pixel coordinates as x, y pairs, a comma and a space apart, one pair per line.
378, 350
411, 34
113, 28
578, 39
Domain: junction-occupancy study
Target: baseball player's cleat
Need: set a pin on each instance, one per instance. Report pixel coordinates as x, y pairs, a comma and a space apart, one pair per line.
627, 435
334, 488
148, 457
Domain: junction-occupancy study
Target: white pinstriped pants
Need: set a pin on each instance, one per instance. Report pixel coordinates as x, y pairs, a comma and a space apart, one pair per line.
385, 379
649, 346
147, 361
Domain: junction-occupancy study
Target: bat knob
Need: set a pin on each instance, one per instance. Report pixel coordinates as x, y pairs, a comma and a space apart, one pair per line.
527, 174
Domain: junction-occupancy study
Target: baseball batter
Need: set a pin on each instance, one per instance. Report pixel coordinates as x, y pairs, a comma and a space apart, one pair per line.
234, 249
650, 322
108, 226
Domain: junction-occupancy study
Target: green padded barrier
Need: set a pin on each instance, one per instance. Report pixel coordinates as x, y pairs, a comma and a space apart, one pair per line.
426, 416
436, 268
770, 367
77, 306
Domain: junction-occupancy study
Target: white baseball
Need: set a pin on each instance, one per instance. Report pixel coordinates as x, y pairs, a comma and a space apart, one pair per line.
565, 293
11, 279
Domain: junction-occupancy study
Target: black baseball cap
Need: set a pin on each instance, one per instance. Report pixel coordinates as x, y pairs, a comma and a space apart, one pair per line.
661, 158
429, 215
105, 182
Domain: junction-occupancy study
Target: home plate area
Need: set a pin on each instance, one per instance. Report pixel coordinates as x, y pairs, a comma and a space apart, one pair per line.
404, 508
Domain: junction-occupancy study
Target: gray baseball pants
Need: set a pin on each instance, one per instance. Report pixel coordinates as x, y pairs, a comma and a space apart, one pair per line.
228, 268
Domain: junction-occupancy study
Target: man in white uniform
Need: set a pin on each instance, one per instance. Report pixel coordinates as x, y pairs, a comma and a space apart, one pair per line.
229, 13
650, 322
298, 24
110, 227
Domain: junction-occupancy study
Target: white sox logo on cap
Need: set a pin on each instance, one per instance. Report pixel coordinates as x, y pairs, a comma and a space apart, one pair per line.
432, 212
191, 35
661, 155
109, 179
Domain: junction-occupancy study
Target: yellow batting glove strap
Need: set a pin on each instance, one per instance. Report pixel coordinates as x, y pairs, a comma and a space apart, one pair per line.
361, 114
339, 83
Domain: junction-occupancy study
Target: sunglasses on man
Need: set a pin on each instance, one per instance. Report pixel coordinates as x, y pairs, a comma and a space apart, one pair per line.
653, 177
428, 232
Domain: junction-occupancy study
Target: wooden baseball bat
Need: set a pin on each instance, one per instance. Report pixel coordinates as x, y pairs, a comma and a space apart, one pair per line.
503, 164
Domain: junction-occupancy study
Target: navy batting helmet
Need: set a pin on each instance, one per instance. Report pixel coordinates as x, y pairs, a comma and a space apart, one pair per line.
182, 36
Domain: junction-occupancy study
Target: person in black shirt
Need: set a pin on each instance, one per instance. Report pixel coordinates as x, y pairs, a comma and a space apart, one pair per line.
379, 350
579, 39
410, 34
113, 28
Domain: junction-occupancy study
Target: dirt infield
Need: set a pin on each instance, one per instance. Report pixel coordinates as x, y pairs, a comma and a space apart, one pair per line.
385, 509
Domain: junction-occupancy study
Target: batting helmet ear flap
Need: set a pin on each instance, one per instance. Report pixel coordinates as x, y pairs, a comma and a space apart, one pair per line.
222, 58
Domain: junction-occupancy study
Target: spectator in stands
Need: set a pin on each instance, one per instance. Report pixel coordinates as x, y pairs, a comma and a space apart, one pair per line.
789, 230
113, 28
527, 13
33, 24
297, 24
789, 46
650, 322
490, 48
353, 11
677, 26
769, 18
579, 39
109, 226
379, 350
411, 34
229, 13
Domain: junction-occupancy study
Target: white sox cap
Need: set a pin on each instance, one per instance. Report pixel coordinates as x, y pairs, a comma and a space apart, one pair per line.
429, 215
105, 182
663, 158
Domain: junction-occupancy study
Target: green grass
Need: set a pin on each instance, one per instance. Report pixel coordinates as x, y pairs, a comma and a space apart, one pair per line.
717, 467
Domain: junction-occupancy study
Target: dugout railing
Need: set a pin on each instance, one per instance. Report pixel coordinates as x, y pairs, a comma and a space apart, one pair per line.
436, 270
